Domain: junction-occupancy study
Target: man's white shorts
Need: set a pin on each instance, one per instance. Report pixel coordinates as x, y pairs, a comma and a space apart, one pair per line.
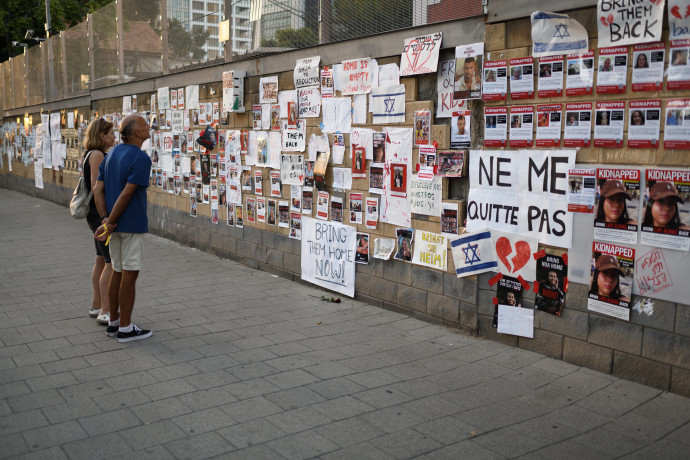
127, 251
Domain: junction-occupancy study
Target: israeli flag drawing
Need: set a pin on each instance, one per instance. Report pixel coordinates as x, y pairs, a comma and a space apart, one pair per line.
473, 253
555, 34
388, 104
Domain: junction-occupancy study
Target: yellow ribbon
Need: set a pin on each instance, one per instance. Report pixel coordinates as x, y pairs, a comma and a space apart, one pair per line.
106, 231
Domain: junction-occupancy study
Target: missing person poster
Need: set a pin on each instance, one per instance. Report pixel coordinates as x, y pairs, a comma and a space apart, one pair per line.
666, 221
376, 178
578, 125
549, 125
449, 219
307, 200
644, 122
460, 137
372, 212
295, 226
284, 214
648, 66
495, 80
551, 284
495, 126
362, 251
582, 187
608, 124
337, 209
521, 126
355, 200
580, 74
678, 73
509, 293
617, 207
522, 78
677, 127
404, 238
611, 281
550, 83
613, 70
468, 71
321, 205
422, 127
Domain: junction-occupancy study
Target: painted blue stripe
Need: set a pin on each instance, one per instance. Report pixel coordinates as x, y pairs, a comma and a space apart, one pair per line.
399, 114
565, 46
469, 239
474, 268
387, 95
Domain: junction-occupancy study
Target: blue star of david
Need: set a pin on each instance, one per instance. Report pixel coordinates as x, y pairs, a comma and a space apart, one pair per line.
472, 257
390, 104
561, 31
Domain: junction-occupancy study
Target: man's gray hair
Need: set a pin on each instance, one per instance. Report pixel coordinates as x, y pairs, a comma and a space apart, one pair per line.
128, 130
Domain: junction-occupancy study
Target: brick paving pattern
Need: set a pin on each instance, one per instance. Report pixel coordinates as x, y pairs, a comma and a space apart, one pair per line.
243, 364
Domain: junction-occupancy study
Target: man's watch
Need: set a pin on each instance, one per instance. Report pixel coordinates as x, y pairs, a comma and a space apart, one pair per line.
104, 217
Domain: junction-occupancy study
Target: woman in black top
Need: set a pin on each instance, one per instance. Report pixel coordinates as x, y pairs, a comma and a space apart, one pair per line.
97, 141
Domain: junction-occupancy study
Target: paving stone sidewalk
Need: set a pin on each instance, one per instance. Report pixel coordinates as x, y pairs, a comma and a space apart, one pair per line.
243, 364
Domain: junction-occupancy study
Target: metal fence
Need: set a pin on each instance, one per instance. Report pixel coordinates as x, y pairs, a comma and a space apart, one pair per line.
130, 40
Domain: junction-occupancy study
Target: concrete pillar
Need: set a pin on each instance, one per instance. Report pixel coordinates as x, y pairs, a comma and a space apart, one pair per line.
164, 36
92, 65
120, 42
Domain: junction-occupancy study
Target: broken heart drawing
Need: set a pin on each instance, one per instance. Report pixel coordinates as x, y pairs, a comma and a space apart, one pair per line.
679, 19
420, 54
607, 20
675, 11
515, 254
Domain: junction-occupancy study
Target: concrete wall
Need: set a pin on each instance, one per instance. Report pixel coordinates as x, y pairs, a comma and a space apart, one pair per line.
654, 350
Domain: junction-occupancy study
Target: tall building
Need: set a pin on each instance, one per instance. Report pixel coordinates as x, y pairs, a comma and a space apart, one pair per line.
207, 14
179, 9
431, 11
241, 27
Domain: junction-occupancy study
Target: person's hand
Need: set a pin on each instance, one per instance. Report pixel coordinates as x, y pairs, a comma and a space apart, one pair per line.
103, 232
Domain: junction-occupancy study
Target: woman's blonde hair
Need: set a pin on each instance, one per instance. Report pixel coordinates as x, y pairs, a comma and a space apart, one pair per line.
92, 139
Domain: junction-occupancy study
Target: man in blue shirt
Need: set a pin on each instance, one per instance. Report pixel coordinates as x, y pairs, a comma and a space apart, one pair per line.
120, 196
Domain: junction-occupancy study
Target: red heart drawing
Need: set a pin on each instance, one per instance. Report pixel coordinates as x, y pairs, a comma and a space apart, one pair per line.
413, 57
675, 11
522, 256
687, 11
504, 249
655, 2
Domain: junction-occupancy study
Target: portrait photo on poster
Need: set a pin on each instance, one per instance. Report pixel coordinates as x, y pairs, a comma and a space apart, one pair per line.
404, 238
468, 71
666, 211
362, 251
398, 185
460, 135
617, 208
611, 280
551, 284
508, 292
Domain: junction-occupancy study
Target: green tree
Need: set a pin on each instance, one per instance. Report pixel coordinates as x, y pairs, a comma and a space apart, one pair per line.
186, 44
17, 16
291, 38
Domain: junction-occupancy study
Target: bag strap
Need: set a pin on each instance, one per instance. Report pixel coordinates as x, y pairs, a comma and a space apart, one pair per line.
86, 159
